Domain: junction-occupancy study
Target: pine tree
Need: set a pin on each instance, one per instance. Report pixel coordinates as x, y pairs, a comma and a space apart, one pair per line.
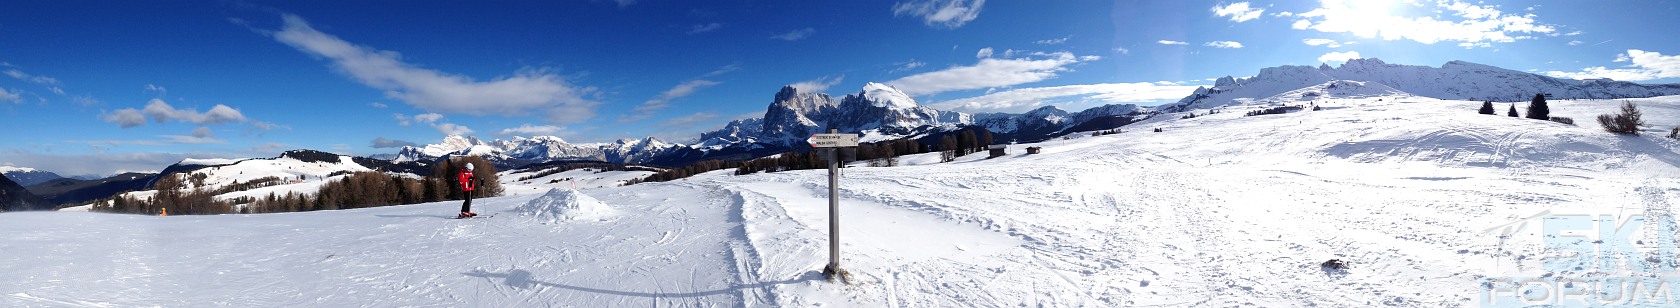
1487, 108
1537, 108
1513, 112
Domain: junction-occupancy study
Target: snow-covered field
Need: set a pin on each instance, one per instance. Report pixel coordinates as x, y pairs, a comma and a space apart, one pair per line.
585, 178
1219, 210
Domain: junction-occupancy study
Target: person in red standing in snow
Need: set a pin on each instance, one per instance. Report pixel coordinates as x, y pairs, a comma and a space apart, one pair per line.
467, 180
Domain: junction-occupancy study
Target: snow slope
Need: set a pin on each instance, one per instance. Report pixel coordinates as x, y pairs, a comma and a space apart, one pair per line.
1218, 210
585, 178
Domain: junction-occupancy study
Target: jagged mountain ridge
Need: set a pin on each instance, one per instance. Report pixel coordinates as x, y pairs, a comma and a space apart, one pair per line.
537, 149
878, 111
1453, 80
881, 112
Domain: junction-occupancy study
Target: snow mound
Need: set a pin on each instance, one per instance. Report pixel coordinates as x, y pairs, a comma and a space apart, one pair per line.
559, 205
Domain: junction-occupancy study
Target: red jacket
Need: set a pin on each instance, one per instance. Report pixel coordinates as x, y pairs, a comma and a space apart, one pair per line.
466, 180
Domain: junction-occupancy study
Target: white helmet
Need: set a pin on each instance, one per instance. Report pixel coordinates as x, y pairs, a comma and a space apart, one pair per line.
469, 167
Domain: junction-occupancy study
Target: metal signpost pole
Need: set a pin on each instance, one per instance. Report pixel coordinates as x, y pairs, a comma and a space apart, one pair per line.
834, 209
831, 143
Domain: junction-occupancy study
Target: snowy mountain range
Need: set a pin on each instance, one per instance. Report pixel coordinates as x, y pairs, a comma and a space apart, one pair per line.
1453, 80
879, 112
27, 176
536, 149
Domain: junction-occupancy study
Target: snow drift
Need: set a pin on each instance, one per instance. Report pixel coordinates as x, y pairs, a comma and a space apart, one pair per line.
560, 205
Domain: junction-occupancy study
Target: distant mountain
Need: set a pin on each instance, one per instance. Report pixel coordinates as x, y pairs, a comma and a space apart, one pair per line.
1453, 80
877, 111
27, 176
14, 197
521, 151
75, 191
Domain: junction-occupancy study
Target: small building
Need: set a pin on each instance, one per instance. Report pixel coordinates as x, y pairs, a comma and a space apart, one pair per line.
998, 150
1033, 150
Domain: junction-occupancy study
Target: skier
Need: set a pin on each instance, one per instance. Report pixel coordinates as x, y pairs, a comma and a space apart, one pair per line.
467, 180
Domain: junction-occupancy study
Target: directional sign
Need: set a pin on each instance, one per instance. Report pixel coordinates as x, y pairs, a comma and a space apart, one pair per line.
833, 140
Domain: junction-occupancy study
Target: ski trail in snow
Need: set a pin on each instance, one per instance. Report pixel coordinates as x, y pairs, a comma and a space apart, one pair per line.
743, 254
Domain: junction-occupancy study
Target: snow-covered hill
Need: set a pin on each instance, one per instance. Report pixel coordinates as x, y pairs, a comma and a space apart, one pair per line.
1216, 210
1453, 80
582, 178
26, 176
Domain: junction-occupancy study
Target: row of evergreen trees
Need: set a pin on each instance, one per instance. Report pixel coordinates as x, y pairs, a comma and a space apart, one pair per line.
358, 190
1537, 109
879, 154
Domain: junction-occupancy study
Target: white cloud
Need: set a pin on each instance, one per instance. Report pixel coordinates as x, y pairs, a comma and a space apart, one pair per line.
1338, 56
722, 70
1058, 41
648, 108
201, 135
913, 64
10, 96
203, 132
1018, 100
428, 118
125, 118
1238, 12
1224, 44
43, 80
381, 142
1122, 50
984, 53
705, 28
1647, 65
1573, 33
1324, 42
450, 129
161, 112
533, 130
1573, 43
989, 73
689, 120
157, 88
818, 85
950, 14
795, 35
518, 95
434, 120
84, 100
377, 105
1166, 42
1470, 25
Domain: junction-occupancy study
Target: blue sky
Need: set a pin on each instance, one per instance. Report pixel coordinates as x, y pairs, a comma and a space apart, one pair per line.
97, 87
